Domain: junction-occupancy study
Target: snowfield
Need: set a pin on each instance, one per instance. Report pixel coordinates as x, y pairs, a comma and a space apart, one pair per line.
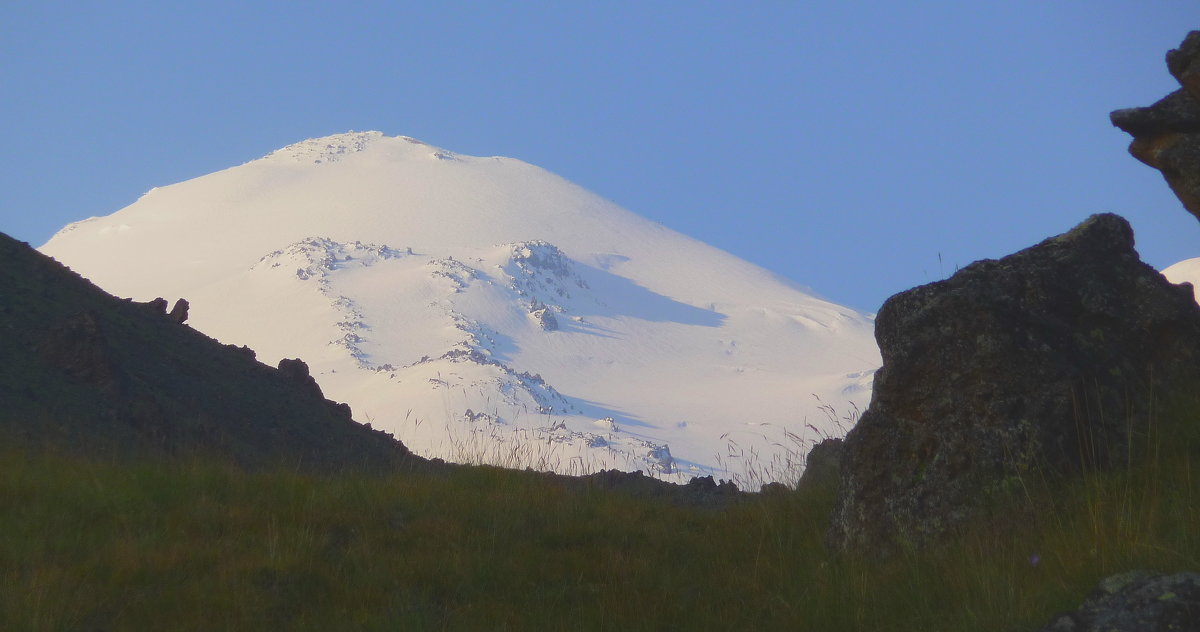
1186, 271
484, 309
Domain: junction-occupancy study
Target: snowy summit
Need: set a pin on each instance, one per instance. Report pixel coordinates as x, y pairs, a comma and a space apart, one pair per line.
484, 309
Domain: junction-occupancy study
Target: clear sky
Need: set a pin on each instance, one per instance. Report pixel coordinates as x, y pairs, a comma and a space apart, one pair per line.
858, 148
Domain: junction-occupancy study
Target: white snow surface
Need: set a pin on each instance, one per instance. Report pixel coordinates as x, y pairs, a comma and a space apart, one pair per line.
484, 309
1186, 271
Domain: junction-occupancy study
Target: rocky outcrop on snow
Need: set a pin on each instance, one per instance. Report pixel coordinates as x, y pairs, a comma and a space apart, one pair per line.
504, 403
1042, 360
543, 316
1137, 601
1166, 135
316, 257
541, 271
544, 278
313, 260
329, 149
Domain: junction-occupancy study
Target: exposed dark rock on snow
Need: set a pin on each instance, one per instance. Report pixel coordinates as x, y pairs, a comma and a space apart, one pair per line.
86, 372
1042, 360
544, 317
1138, 601
1166, 135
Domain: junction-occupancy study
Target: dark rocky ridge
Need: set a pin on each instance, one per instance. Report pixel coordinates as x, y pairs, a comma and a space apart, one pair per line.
1041, 361
85, 372
1166, 135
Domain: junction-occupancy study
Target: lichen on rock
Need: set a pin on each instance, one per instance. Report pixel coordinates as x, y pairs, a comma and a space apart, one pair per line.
1137, 601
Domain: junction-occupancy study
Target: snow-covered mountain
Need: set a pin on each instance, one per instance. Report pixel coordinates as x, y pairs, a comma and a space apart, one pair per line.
484, 309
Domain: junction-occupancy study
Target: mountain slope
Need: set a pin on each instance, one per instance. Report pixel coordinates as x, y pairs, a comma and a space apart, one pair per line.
84, 371
474, 306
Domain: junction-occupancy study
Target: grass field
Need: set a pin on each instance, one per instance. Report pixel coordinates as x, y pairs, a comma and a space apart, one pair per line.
92, 545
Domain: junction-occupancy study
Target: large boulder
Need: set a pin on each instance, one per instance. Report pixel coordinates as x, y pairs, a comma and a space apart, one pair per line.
1137, 601
1166, 135
1041, 361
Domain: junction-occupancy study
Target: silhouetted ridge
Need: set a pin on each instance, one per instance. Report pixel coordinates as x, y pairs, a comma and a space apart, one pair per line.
84, 371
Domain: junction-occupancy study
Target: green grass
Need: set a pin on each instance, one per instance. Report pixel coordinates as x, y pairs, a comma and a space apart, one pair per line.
90, 544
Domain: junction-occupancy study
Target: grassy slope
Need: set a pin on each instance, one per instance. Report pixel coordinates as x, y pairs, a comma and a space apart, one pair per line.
89, 544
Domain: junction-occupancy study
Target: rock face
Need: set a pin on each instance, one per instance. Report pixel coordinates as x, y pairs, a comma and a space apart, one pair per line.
1040, 360
1166, 135
1137, 601
1184, 63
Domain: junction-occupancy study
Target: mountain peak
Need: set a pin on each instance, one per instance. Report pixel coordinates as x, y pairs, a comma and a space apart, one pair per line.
466, 304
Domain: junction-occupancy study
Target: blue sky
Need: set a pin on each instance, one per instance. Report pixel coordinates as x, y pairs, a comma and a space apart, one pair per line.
858, 148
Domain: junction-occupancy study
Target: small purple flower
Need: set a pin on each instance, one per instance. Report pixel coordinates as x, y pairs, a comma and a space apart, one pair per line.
1035, 559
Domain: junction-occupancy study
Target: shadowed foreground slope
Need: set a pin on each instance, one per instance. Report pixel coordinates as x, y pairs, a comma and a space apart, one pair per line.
84, 371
